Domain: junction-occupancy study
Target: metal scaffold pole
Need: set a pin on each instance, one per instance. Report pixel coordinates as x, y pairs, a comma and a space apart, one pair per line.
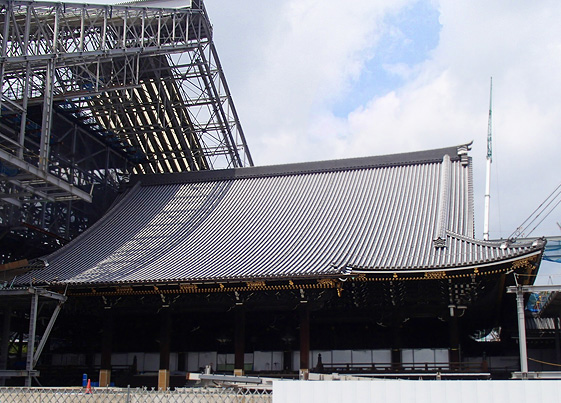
521, 331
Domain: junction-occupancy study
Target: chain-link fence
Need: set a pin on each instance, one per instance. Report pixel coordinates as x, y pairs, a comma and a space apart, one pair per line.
129, 395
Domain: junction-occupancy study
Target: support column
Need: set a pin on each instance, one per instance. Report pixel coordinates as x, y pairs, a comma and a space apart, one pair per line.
21, 139
287, 360
239, 342
47, 118
522, 332
557, 340
31, 337
5, 348
165, 342
454, 349
106, 344
4, 48
396, 348
304, 341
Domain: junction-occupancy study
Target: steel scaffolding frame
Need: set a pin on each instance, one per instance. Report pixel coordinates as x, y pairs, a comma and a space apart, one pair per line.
94, 93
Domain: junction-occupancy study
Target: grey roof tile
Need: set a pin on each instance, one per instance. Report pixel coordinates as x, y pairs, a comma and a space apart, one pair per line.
289, 221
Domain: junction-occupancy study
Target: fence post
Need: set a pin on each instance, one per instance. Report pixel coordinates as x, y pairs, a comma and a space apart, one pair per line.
128, 393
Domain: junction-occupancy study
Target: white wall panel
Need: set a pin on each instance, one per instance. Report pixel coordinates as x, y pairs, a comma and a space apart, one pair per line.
326, 357
361, 356
139, 360
262, 360
342, 356
173, 362
267, 361
152, 362
295, 360
407, 356
119, 359
224, 359
193, 362
382, 356
423, 355
278, 360
441, 355
208, 358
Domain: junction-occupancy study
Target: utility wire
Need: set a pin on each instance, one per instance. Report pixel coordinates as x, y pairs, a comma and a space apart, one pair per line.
553, 208
539, 210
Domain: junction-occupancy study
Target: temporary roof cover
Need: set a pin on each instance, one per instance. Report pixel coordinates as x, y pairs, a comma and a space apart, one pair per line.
393, 213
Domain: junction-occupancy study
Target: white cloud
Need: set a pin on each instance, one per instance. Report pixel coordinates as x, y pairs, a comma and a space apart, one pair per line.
309, 53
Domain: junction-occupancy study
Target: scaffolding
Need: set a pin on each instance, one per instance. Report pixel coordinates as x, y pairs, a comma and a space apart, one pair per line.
94, 93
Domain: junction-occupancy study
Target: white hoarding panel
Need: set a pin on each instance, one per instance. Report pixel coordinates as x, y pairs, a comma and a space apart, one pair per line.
409, 391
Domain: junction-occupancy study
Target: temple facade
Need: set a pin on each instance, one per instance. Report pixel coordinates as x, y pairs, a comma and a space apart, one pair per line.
366, 265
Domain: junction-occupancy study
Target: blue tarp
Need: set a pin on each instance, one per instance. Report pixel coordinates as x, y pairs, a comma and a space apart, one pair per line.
553, 250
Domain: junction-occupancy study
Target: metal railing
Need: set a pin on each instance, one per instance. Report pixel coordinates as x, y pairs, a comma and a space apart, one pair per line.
130, 395
404, 367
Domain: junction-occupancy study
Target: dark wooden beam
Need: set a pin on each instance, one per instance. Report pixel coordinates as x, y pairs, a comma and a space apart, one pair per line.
304, 340
396, 346
454, 349
239, 342
165, 338
165, 343
106, 347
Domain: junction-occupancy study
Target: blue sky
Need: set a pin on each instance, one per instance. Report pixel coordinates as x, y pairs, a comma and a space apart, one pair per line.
406, 40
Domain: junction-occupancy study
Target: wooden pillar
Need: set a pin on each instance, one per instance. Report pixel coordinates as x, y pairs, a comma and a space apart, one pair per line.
239, 342
287, 360
4, 350
304, 341
396, 364
454, 349
106, 347
557, 340
165, 343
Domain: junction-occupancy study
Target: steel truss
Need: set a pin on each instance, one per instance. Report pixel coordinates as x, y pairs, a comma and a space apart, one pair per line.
13, 296
94, 93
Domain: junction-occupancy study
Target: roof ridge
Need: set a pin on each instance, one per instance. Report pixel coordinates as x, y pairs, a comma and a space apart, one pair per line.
456, 153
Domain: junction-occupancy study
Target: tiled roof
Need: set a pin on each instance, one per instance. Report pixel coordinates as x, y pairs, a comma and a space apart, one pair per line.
399, 212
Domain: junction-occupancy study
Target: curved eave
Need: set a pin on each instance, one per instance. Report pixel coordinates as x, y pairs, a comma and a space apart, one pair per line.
447, 269
522, 260
204, 280
489, 254
526, 263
